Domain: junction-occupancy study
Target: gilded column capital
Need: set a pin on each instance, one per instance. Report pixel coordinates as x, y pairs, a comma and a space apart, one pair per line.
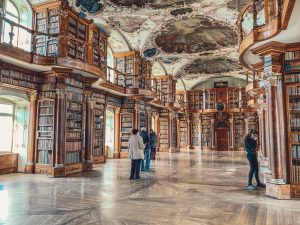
33, 95
117, 110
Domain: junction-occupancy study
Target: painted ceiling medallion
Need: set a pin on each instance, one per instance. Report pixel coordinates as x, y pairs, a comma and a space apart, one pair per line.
152, 3
212, 66
194, 35
91, 6
181, 11
150, 52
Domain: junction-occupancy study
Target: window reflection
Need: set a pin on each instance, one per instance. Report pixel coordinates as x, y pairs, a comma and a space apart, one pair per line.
3, 205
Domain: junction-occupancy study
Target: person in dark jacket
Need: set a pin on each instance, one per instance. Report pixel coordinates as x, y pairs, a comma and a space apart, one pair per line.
153, 144
146, 140
251, 149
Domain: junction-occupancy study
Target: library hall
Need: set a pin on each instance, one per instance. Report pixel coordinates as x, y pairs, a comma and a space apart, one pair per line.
149, 112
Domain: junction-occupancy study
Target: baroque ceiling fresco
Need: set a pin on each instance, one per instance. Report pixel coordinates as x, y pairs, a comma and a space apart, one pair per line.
192, 40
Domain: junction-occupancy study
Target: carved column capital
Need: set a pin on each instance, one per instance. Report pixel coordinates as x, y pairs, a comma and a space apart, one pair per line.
273, 79
117, 110
60, 93
33, 95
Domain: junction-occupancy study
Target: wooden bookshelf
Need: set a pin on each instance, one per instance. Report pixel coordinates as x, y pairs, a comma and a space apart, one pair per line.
131, 64
206, 136
47, 21
45, 130
99, 50
292, 75
164, 130
166, 87
195, 131
183, 131
238, 130
99, 133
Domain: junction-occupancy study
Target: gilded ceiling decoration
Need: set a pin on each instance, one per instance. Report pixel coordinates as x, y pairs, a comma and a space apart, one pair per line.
152, 3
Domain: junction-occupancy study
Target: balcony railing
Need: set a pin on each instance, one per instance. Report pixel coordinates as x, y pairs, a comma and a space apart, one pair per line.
255, 15
30, 43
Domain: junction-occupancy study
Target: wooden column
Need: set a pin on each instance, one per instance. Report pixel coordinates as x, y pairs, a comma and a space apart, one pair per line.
200, 132
29, 168
189, 132
60, 132
213, 133
262, 130
117, 133
90, 129
231, 140
173, 141
156, 125
246, 121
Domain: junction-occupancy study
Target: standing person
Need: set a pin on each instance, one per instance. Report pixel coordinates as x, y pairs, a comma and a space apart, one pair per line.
153, 144
136, 154
251, 149
146, 140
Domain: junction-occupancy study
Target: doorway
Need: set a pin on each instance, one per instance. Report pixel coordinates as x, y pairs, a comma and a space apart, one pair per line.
222, 139
110, 131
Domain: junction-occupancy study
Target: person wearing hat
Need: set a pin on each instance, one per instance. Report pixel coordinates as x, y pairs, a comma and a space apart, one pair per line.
147, 159
136, 154
251, 149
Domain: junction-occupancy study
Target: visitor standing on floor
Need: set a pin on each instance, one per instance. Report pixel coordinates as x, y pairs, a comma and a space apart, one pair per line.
146, 160
153, 144
251, 149
136, 154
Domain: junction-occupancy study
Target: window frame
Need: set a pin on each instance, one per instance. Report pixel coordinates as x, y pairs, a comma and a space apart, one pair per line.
12, 115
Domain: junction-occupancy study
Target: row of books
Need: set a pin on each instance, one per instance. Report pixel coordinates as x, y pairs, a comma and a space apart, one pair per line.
74, 106
74, 125
48, 94
45, 157
74, 116
20, 83
295, 122
292, 78
47, 111
73, 157
98, 151
296, 138
295, 105
292, 55
46, 121
292, 91
73, 146
295, 151
45, 144
292, 66
45, 128
76, 135
296, 171
45, 134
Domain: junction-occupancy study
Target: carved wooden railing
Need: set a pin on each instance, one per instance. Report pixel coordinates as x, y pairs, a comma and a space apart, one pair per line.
255, 15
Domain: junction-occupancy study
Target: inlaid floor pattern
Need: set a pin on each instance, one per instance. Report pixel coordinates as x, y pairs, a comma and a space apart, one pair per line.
198, 188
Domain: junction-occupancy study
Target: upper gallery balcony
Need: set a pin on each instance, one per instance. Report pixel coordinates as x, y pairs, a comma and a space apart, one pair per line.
261, 20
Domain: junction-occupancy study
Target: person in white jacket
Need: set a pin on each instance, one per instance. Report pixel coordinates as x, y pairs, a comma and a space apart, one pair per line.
136, 154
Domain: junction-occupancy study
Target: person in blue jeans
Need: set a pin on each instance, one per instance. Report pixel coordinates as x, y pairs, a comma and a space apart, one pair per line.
251, 149
146, 141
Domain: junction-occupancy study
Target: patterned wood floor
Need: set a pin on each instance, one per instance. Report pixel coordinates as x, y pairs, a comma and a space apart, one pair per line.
205, 188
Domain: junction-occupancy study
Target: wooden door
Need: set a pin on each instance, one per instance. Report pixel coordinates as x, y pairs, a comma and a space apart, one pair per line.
222, 139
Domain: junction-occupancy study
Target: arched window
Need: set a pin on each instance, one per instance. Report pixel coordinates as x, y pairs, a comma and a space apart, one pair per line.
6, 125
19, 12
12, 12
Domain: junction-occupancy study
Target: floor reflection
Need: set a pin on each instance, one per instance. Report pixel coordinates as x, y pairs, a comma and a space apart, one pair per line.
197, 188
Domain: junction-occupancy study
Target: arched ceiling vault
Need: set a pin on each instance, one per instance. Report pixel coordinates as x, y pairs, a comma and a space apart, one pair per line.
192, 40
